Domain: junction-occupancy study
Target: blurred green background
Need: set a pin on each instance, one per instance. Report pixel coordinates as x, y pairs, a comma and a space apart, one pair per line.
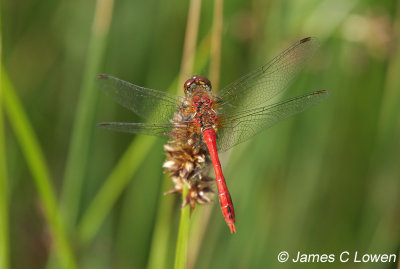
324, 181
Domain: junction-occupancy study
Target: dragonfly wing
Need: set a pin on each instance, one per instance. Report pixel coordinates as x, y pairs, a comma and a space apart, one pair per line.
259, 86
155, 129
147, 103
239, 127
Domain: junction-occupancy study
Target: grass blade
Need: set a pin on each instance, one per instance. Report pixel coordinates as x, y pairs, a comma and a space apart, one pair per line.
113, 187
4, 230
37, 164
84, 120
159, 244
183, 234
215, 65
189, 48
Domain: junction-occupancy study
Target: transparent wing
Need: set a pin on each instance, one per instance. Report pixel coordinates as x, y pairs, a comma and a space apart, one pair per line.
239, 127
155, 129
256, 88
147, 103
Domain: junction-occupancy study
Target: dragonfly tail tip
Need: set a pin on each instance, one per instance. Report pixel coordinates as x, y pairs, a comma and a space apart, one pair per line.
232, 227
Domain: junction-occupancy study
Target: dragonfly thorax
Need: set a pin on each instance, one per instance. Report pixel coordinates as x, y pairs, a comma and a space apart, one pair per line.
203, 107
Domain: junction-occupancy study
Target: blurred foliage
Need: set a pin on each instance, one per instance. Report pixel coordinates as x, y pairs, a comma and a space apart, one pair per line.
325, 181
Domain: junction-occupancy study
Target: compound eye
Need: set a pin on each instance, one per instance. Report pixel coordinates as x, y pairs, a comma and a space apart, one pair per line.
187, 84
204, 81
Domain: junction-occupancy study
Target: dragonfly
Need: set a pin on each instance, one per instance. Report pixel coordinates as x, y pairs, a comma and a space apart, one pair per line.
241, 110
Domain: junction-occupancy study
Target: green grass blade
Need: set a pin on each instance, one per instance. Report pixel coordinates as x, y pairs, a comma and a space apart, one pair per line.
37, 164
4, 220
183, 235
189, 49
216, 39
85, 116
113, 187
159, 244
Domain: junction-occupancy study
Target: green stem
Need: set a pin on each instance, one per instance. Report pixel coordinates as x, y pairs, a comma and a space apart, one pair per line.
113, 187
85, 116
216, 39
183, 235
159, 243
37, 164
4, 240
189, 48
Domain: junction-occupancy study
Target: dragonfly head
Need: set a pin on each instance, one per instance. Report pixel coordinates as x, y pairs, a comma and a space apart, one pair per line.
194, 82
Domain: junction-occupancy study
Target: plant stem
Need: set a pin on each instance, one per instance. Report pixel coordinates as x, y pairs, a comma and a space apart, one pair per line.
84, 120
113, 187
159, 244
189, 48
215, 65
4, 220
37, 164
183, 234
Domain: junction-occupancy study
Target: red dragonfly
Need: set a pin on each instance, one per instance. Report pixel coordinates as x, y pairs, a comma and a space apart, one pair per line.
242, 109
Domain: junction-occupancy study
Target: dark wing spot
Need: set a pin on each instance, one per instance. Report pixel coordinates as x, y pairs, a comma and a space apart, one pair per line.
305, 39
102, 76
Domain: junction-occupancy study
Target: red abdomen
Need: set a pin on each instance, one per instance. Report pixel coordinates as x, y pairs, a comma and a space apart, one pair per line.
223, 193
